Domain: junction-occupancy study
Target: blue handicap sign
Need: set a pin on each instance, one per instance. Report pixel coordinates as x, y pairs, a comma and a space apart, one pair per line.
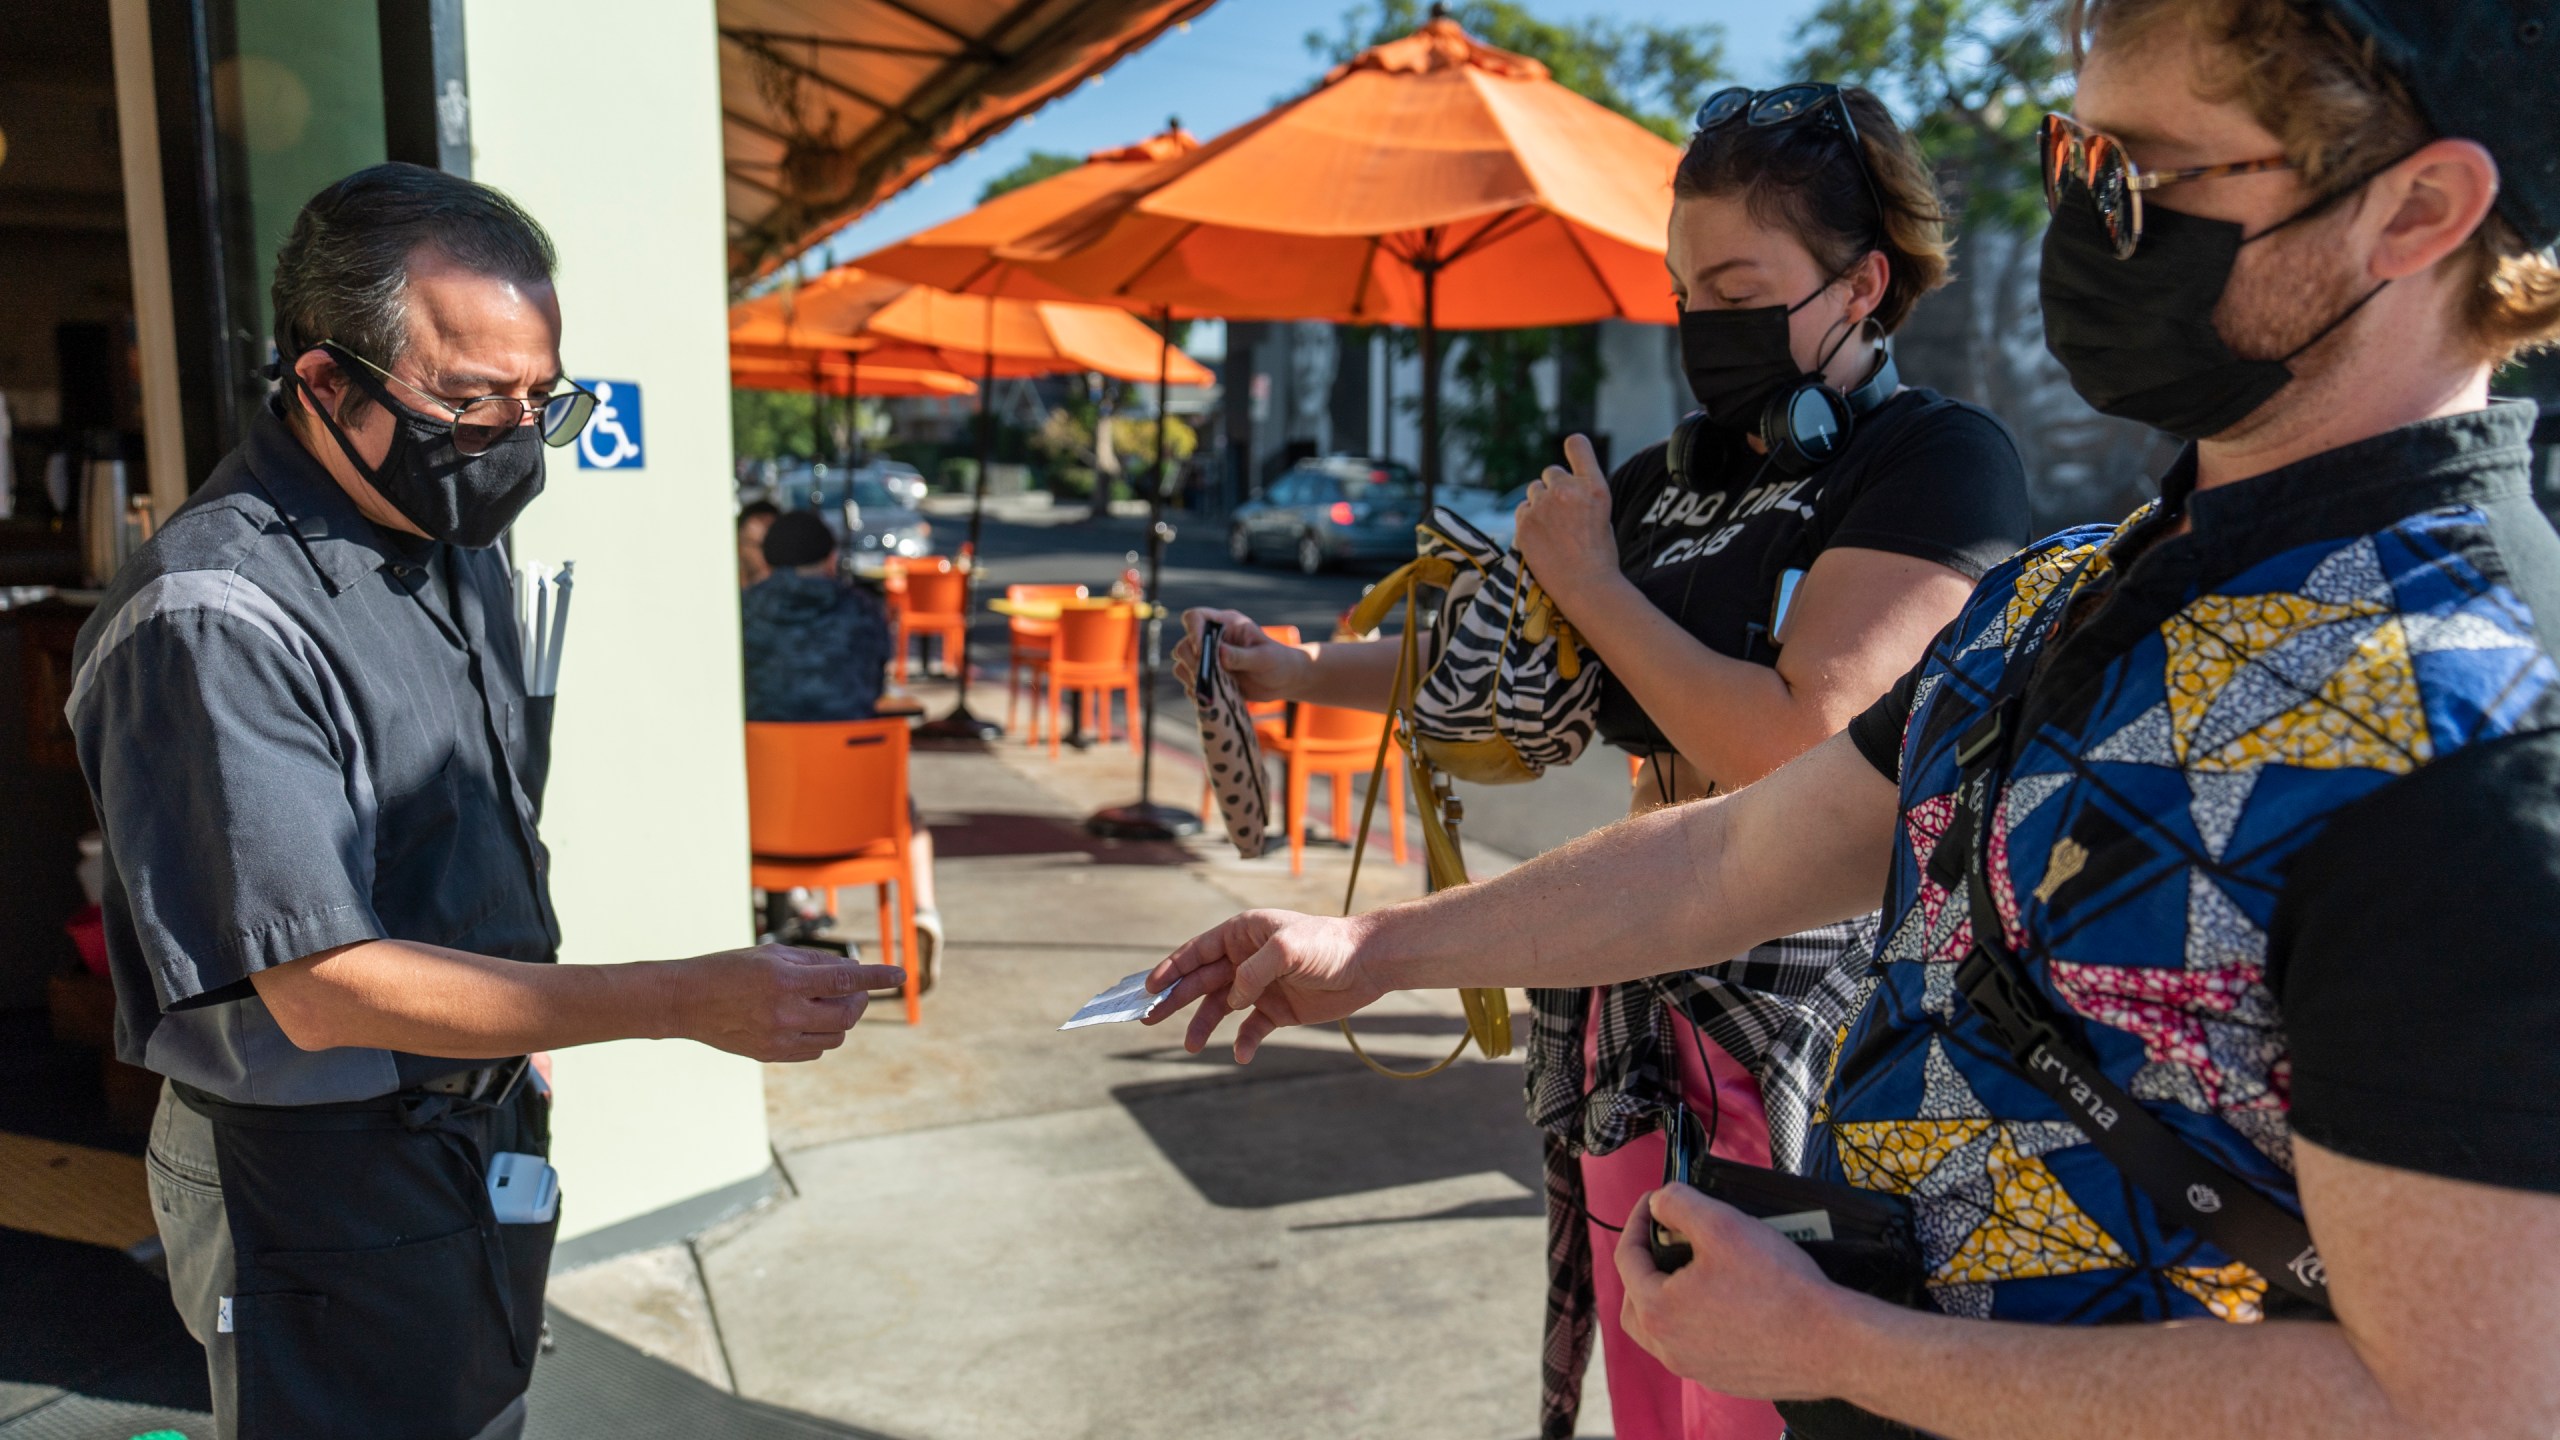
612, 439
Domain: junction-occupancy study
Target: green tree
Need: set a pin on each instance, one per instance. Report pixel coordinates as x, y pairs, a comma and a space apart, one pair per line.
1971, 77
771, 424
1039, 165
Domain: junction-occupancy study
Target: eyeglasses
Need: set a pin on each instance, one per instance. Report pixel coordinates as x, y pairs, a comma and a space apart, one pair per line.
1804, 100
2073, 151
481, 423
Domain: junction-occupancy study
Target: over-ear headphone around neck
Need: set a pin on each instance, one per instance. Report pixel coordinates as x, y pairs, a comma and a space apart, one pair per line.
1804, 426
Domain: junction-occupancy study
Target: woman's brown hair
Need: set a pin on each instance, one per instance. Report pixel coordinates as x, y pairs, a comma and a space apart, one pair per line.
1801, 177
2341, 116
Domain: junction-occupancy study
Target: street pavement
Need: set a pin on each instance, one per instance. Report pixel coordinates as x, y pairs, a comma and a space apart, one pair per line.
992, 1228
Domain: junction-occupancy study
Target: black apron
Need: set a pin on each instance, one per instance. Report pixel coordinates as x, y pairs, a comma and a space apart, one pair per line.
375, 1294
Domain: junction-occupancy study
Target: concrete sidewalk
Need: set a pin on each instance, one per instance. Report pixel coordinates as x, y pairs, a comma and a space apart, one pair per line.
996, 1229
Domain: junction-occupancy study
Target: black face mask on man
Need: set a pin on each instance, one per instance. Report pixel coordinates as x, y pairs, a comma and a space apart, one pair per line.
2136, 335
466, 500
1737, 359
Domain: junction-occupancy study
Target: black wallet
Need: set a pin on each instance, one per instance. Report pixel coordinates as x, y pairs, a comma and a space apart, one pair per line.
1862, 1239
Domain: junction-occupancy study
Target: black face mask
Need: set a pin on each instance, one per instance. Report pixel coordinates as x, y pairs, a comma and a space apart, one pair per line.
1737, 359
466, 500
2136, 335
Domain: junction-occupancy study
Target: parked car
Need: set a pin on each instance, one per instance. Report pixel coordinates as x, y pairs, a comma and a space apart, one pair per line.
1495, 515
905, 481
874, 521
1325, 511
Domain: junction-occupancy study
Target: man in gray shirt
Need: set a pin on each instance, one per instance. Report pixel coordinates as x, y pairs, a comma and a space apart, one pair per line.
301, 715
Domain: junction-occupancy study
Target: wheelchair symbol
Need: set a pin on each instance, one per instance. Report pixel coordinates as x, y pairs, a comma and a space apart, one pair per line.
608, 442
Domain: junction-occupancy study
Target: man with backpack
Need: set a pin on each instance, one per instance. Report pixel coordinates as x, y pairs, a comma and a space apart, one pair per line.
2222, 851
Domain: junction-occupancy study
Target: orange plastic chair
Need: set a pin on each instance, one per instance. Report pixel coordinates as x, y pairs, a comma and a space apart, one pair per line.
1270, 717
937, 604
1337, 744
827, 808
1096, 652
1029, 642
893, 590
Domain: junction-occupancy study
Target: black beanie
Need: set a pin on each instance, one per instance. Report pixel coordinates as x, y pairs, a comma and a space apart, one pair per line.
796, 539
2484, 72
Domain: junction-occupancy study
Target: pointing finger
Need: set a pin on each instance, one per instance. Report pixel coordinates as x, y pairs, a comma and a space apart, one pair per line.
842, 979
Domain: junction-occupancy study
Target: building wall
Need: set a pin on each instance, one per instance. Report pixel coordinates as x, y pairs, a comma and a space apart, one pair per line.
602, 117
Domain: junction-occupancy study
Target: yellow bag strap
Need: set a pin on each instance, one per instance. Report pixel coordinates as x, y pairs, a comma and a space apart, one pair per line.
1488, 1010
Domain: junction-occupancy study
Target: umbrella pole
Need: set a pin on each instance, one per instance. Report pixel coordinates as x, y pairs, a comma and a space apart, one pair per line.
960, 724
1430, 385
853, 407
1147, 820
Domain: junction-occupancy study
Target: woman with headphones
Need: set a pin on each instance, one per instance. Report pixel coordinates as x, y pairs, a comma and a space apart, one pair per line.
1749, 586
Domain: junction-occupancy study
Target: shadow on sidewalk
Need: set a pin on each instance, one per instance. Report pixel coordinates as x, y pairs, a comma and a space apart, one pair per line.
1332, 1133
990, 834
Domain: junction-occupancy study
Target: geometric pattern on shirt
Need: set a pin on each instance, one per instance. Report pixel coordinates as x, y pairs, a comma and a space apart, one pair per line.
2254, 709
1987, 1207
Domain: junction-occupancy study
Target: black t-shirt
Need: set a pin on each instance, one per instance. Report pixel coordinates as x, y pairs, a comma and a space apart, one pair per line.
2412, 943
1923, 475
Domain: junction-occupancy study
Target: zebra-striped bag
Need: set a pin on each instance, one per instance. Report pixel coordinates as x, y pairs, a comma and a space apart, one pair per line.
1498, 687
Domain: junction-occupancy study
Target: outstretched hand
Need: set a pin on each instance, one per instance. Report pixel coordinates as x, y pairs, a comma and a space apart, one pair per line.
1287, 969
1264, 668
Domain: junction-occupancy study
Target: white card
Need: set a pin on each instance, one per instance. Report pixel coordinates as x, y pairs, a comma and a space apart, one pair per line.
1125, 1000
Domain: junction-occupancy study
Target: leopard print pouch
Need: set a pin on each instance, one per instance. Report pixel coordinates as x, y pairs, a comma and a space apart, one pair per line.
1229, 749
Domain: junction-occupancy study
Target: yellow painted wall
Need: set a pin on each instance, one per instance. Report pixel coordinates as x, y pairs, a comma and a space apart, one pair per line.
602, 117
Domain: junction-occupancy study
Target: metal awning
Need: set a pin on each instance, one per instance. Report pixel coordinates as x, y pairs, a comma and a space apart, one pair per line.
832, 106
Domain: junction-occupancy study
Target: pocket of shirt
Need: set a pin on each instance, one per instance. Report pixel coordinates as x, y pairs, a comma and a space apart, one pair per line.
426, 847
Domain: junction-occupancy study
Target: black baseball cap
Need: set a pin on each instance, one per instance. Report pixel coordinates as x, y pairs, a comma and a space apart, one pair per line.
2484, 70
796, 539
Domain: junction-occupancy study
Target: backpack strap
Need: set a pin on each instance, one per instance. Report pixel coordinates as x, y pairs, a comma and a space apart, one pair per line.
2190, 1189
1444, 864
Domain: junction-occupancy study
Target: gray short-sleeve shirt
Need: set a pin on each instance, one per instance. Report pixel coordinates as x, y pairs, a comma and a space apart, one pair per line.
299, 731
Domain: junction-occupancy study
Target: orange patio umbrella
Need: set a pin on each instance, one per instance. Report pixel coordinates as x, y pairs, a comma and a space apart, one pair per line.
852, 309
841, 376
1433, 181
961, 255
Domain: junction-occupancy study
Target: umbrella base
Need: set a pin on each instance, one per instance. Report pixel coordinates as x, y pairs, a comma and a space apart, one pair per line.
960, 727
1143, 821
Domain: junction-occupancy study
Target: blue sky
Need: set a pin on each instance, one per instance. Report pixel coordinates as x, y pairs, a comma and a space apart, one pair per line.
1230, 66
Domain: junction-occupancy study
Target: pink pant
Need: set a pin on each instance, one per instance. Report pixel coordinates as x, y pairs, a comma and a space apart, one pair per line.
1647, 1401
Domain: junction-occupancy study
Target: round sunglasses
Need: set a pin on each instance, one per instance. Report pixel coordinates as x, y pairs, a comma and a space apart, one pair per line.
481, 423
1786, 105
2095, 162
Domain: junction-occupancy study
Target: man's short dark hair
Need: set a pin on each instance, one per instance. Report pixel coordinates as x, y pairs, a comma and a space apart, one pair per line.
343, 273
797, 539
757, 510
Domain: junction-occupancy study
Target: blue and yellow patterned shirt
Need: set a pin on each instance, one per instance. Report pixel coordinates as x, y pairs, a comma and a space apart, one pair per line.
2279, 832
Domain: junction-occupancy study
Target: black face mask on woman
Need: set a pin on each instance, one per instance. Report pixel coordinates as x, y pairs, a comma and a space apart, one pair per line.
2136, 335
466, 500
1737, 359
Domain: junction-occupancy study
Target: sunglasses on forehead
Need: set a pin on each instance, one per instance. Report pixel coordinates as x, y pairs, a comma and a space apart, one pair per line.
2077, 158
481, 423
1813, 100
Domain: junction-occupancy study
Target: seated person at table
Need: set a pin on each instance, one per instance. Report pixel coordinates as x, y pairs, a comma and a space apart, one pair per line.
817, 649
755, 518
